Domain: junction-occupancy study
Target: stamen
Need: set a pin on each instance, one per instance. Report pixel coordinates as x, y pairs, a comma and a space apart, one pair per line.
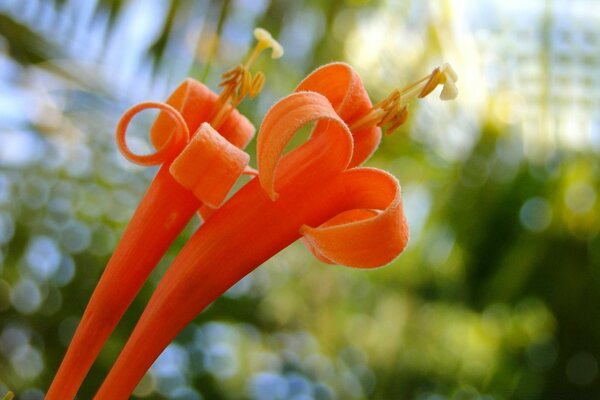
238, 82
392, 111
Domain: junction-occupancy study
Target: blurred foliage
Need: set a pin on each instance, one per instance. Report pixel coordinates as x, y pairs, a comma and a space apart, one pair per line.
496, 296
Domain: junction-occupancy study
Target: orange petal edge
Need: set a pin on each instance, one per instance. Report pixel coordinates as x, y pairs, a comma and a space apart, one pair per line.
372, 232
284, 120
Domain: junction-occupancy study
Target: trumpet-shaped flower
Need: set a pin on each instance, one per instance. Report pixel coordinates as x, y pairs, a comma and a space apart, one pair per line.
200, 162
345, 214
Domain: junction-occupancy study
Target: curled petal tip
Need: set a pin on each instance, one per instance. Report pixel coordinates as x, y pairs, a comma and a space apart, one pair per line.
175, 142
284, 120
209, 166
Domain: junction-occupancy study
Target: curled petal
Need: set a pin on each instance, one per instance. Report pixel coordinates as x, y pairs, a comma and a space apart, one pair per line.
209, 166
195, 101
282, 122
372, 232
169, 147
344, 89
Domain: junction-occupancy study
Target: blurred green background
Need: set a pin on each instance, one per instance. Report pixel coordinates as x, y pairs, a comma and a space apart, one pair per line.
498, 293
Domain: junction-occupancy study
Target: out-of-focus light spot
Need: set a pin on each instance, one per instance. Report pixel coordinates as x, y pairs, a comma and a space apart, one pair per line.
302, 397
75, 236
321, 366
66, 330
353, 356
172, 361
366, 377
582, 369
267, 386
508, 106
7, 227
574, 129
26, 297
52, 302
103, 240
298, 385
535, 214
15, 104
65, 272
595, 134
214, 333
510, 150
323, 392
43, 257
185, 393
19, 148
146, 386
31, 394
504, 173
168, 384
254, 7
265, 361
351, 385
221, 361
4, 294
34, 192
542, 354
121, 207
13, 338
465, 392
440, 247
343, 23
365, 45
5, 189
90, 201
430, 396
27, 362
417, 203
241, 288
580, 197
475, 172
300, 33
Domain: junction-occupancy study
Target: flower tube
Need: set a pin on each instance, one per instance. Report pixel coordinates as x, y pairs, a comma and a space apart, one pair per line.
198, 168
346, 214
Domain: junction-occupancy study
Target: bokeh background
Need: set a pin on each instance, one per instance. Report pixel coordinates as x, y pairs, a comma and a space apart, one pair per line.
498, 293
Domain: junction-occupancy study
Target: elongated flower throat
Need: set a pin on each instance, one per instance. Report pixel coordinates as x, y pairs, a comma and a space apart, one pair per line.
239, 82
392, 111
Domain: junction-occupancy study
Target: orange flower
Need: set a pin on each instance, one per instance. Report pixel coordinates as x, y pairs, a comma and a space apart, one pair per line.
197, 173
345, 214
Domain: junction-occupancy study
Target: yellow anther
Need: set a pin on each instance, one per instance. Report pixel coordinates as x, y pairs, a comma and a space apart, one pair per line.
257, 84
392, 111
238, 82
446, 76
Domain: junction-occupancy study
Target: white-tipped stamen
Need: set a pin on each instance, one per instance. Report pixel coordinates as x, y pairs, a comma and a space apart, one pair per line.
392, 111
